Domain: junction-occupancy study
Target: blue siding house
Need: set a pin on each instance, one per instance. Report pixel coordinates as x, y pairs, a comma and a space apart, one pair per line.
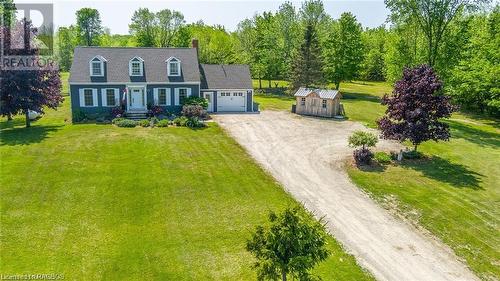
102, 78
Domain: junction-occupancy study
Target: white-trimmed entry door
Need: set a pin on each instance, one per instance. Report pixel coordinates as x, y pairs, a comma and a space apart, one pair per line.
231, 101
137, 98
209, 96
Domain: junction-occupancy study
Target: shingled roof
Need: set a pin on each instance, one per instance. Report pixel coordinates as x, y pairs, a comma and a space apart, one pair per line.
322, 93
217, 76
117, 64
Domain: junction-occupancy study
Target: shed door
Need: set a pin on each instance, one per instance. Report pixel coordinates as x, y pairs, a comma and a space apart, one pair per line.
231, 101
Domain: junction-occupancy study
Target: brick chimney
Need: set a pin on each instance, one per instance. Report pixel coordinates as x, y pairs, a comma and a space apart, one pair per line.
194, 43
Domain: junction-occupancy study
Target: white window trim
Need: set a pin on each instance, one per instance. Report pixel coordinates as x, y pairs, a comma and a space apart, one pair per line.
100, 60
104, 98
94, 97
177, 98
141, 66
178, 61
157, 97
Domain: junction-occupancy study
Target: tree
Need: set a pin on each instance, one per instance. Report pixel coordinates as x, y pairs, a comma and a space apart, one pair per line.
88, 27
291, 246
433, 17
169, 24
373, 67
143, 27
363, 139
66, 44
344, 50
307, 65
288, 36
415, 108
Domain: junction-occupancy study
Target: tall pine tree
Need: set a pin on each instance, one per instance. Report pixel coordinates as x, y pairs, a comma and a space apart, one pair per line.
307, 65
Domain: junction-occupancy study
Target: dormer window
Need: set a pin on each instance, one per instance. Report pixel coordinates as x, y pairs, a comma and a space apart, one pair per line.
97, 66
136, 67
173, 67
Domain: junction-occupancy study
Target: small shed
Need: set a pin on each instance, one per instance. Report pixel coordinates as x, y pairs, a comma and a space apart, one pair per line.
318, 102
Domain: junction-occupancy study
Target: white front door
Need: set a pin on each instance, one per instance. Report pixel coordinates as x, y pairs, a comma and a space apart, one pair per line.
137, 99
209, 97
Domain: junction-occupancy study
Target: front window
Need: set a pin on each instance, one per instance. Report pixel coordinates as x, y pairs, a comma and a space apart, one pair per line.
182, 95
136, 68
303, 101
174, 68
96, 68
162, 96
88, 97
323, 103
110, 97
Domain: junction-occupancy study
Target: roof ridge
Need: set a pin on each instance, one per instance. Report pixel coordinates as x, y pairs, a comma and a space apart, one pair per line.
121, 47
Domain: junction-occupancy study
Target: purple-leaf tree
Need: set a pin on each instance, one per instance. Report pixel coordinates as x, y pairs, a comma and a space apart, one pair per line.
415, 108
22, 90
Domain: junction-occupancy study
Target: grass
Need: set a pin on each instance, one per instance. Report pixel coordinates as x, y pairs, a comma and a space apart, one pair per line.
98, 202
454, 193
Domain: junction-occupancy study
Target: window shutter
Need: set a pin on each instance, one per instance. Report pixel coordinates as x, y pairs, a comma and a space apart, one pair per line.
94, 96
82, 98
155, 96
188, 92
169, 96
104, 97
117, 97
176, 96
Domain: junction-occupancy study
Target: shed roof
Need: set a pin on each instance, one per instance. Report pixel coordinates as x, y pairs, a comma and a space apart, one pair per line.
221, 76
322, 93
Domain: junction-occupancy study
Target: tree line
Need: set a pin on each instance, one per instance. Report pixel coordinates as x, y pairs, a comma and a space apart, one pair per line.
307, 47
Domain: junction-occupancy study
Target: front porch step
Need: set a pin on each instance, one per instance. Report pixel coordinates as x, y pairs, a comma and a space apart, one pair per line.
136, 115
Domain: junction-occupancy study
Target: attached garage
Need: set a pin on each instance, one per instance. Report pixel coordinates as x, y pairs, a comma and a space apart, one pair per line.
229, 85
231, 101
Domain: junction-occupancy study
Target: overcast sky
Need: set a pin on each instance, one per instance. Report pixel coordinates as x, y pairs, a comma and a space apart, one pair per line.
116, 14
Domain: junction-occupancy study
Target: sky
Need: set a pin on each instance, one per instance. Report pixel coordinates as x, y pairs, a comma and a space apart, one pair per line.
116, 14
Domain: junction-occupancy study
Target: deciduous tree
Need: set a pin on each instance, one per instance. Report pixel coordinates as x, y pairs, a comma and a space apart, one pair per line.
415, 108
88, 27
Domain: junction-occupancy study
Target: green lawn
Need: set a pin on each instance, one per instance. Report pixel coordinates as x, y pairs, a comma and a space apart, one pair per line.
455, 193
98, 202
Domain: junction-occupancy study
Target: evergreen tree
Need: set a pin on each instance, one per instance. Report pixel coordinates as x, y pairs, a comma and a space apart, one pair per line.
307, 66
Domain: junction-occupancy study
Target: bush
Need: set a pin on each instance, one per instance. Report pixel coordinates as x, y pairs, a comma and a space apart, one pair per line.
180, 121
153, 120
78, 116
162, 123
126, 123
194, 123
363, 139
144, 123
412, 154
155, 110
363, 156
382, 157
117, 112
193, 111
196, 101
117, 120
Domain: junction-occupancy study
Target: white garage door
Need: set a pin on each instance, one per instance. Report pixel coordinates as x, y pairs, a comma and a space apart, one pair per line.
231, 101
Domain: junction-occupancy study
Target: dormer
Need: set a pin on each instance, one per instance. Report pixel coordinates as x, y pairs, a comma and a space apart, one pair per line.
136, 67
173, 66
96, 66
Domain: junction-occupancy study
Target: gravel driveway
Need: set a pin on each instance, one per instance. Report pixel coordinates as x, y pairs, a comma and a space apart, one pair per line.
306, 155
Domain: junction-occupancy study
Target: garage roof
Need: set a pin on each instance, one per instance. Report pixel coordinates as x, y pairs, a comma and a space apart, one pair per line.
223, 76
323, 93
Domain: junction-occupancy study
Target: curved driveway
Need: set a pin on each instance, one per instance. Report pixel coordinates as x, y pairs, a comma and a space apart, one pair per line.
306, 155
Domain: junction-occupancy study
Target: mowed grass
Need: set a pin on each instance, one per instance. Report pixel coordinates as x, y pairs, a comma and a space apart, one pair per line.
98, 202
454, 193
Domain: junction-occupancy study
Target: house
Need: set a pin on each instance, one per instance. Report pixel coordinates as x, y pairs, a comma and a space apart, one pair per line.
318, 102
102, 78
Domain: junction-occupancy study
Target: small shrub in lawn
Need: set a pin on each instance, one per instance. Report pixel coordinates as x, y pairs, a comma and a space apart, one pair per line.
412, 154
193, 111
180, 121
194, 122
144, 123
117, 120
163, 123
382, 157
363, 156
126, 123
154, 120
